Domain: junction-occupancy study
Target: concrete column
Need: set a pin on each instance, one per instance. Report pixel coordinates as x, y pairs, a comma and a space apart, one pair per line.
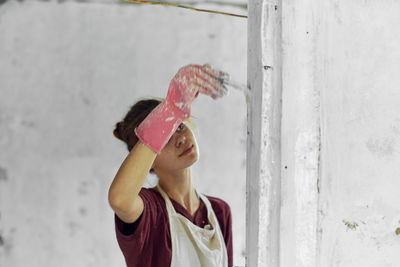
300, 133
264, 134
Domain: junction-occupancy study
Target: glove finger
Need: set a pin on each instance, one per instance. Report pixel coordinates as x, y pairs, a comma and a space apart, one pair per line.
217, 74
206, 68
210, 86
204, 78
224, 91
206, 90
221, 92
211, 78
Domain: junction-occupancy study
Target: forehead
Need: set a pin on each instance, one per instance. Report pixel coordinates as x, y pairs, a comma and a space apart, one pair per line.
190, 124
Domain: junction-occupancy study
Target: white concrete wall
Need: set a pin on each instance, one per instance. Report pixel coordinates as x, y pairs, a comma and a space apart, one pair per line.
300, 134
264, 134
360, 134
338, 204
340, 134
68, 72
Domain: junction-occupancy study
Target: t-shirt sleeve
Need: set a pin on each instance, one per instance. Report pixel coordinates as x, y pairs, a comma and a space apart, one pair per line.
133, 237
127, 228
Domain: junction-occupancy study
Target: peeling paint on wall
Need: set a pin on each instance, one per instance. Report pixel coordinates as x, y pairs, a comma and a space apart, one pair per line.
3, 174
83, 188
350, 225
397, 231
381, 147
82, 211
6, 242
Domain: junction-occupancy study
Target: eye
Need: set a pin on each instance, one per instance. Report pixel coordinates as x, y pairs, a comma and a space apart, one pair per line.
180, 127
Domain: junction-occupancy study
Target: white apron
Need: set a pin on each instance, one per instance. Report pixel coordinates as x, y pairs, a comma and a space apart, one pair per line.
193, 246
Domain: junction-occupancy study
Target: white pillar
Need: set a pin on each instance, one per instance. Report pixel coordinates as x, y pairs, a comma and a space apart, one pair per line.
264, 128
300, 134
283, 135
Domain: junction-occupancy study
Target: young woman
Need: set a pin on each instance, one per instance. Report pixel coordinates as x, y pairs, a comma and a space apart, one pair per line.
171, 224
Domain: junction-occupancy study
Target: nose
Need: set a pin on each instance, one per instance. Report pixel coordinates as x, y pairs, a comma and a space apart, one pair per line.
180, 140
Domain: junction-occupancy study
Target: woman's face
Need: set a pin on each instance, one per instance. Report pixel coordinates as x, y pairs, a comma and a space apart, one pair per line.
179, 153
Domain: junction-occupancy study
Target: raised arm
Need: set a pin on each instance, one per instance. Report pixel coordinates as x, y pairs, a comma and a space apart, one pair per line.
124, 190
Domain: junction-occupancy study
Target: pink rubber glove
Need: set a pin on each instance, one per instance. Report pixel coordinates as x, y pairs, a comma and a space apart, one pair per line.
162, 122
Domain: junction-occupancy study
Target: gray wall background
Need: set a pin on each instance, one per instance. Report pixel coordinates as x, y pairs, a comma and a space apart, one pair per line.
340, 204
333, 84
68, 72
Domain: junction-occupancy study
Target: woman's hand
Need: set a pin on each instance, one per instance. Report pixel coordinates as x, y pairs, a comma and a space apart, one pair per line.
192, 80
161, 123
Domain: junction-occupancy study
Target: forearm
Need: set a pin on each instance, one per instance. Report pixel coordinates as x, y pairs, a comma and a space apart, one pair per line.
130, 177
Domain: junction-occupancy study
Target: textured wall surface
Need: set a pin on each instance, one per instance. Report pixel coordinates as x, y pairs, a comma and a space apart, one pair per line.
340, 134
68, 72
263, 134
360, 130
300, 134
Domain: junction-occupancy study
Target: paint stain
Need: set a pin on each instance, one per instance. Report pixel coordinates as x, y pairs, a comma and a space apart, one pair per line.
86, 101
211, 36
337, 12
380, 147
85, 151
6, 244
397, 231
83, 189
3, 174
29, 124
74, 228
395, 130
83, 211
350, 225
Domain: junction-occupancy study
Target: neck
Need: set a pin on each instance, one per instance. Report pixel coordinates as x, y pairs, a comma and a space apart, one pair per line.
178, 186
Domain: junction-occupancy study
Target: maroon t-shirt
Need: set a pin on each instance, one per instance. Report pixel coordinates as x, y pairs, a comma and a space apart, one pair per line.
147, 242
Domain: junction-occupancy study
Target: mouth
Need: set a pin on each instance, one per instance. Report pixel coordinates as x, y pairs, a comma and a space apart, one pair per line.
187, 151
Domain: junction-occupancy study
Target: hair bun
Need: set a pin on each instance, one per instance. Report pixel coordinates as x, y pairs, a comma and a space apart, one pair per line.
125, 129
118, 130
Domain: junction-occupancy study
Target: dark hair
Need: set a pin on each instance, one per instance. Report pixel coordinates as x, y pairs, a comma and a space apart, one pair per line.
124, 130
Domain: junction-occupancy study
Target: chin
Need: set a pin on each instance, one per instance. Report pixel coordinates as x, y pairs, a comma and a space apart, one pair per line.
193, 160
